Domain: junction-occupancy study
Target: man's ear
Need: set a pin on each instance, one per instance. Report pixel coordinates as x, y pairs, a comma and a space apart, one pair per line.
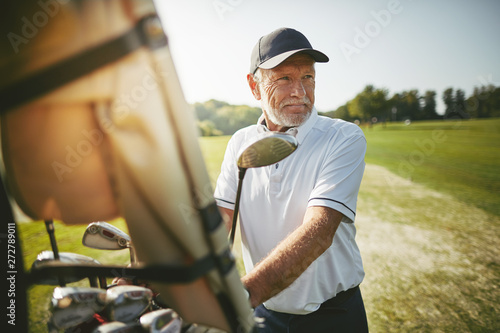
254, 87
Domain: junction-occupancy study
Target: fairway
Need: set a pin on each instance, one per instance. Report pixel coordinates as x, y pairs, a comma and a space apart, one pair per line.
428, 228
213, 148
461, 158
428, 225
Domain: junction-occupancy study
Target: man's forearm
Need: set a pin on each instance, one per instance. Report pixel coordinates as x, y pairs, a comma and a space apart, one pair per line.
293, 255
227, 216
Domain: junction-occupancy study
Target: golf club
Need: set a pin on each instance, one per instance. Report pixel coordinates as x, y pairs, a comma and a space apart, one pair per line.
67, 258
71, 306
126, 303
119, 327
49, 225
104, 236
195, 328
161, 321
265, 149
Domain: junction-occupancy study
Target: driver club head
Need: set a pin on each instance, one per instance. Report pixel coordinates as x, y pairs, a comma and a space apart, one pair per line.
126, 303
161, 321
265, 149
65, 257
71, 306
262, 150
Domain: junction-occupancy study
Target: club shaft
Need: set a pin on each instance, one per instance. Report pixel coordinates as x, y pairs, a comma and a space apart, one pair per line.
236, 206
133, 258
49, 225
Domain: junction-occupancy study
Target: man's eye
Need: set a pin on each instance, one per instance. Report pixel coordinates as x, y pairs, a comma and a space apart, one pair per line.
286, 78
308, 77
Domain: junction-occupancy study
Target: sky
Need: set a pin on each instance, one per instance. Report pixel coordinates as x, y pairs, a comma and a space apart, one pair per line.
391, 44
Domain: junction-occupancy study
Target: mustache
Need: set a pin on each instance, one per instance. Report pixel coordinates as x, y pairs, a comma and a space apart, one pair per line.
293, 101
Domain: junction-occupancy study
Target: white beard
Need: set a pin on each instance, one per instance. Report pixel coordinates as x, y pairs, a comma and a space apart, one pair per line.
284, 120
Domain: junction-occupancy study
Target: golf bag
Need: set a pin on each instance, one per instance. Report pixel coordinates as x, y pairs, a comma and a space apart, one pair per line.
94, 126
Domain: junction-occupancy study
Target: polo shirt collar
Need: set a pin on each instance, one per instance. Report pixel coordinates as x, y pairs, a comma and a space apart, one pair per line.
299, 132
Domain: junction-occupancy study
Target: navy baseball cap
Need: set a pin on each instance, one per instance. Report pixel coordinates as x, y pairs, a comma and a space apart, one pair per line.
272, 49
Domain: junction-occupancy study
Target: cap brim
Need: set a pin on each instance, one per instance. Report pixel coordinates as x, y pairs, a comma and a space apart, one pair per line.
276, 60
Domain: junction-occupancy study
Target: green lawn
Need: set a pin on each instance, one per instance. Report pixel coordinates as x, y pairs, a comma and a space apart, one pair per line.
213, 149
461, 158
69, 239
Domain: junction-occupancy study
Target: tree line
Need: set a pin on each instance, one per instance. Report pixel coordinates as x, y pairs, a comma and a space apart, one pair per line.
374, 104
220, 118
369, 106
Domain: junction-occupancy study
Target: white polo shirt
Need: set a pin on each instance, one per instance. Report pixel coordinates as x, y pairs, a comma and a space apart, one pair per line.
325, 170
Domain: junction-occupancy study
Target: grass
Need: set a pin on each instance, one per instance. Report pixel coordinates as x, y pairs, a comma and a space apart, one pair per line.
428, 269
428, 228
461, 158
35, 239
213, 149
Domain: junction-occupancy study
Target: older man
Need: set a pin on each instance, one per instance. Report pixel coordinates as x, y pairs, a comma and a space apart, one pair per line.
297, 216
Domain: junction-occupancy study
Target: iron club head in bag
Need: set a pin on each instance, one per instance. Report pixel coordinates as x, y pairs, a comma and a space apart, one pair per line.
126, 303
161, 321
265, 149
195, 328
67, 258
104, 236
119, 327
71, 306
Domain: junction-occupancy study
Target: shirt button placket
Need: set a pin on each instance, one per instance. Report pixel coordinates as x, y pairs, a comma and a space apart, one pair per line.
275, 179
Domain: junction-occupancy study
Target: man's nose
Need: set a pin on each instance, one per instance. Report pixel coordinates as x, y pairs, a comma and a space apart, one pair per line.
298, 89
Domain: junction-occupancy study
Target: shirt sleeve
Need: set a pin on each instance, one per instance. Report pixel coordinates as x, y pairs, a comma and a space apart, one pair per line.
337, 185
227, 182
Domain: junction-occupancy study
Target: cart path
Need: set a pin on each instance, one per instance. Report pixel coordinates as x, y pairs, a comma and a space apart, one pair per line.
432, 262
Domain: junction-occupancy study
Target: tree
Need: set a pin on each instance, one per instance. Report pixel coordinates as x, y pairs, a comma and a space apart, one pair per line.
494, 101
429, 107
455, 104
342, 112
207, 128
460, 104
231, 118
406, 104
485, 101
449, 102
369, 103
411, 101
396, 105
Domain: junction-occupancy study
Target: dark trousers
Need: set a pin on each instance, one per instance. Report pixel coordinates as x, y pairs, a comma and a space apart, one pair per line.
348, 316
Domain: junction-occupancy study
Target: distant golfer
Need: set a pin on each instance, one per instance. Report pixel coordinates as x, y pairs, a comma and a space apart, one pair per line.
297, 216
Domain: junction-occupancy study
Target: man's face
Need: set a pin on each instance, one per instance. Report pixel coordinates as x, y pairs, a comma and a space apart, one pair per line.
287, 92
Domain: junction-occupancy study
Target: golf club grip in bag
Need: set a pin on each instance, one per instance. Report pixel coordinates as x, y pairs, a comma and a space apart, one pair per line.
95, 126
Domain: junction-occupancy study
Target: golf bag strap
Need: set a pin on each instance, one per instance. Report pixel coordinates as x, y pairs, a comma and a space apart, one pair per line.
147, 32
154, 273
